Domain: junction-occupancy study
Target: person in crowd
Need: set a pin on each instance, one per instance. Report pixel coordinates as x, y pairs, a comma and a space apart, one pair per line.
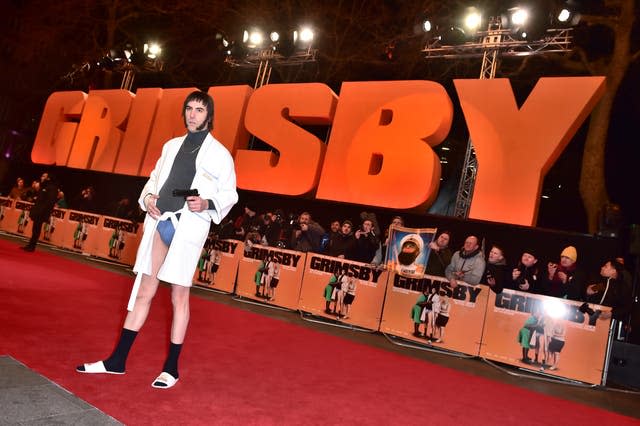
40, 213
341, 243
86, 201
496, 271
439, 254
467, 264
123, 209
381, 253
175, 230
527, 275
612, 290
31, 193
308, 236
366, 243
334, 229
61, 203
18, 191
270, 229
247, 222
565, 279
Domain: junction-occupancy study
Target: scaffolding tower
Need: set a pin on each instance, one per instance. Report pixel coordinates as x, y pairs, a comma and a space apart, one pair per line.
491, 46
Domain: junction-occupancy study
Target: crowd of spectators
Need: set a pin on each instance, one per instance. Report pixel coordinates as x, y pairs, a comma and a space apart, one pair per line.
364, 240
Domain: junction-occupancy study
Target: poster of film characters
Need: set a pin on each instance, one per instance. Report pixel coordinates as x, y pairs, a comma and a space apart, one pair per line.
343, 290
424, 308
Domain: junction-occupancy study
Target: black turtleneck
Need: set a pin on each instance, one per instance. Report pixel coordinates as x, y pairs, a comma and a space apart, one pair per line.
182, 172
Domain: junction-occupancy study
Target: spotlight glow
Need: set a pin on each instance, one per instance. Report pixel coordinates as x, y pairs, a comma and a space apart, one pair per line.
564, 15
426, 26
519, 17
152, 50
472, 21
306, 35
274, 36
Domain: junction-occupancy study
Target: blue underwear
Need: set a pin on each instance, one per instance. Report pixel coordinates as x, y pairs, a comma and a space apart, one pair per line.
166, 230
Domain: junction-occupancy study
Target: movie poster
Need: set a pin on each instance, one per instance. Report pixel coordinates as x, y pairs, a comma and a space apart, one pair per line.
117, 240
546, 334
218, 264
408, 250
428, 311
343, 290
271, 275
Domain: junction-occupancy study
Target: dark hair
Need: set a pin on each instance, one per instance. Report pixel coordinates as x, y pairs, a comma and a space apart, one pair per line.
203, 98
619, 267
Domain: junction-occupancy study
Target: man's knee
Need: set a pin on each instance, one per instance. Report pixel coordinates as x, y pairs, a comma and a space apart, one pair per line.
180, 296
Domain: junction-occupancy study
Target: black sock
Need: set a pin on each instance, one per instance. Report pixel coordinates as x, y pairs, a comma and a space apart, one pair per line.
171, 364
118, 359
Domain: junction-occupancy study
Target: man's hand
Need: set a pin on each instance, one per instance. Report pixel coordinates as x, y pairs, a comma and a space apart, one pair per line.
150, 204
515, 274
453, 283
197, 204
524, 286
563, 277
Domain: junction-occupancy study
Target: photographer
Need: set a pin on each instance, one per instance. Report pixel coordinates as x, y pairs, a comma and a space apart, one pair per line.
613, 291
366, 243
308, 235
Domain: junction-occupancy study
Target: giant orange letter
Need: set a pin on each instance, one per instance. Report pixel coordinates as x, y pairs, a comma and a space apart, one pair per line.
269, 116
58, 128
380, 151
515, 148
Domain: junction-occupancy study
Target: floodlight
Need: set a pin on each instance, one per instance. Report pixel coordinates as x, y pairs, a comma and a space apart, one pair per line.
426, 26
255, 39
152, 50
564, 15
519, 16
274, 36
306, 35
472, 20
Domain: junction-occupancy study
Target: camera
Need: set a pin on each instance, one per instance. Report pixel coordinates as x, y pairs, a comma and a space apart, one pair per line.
585, 309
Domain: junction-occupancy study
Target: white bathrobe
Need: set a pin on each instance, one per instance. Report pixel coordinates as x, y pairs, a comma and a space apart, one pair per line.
215, 180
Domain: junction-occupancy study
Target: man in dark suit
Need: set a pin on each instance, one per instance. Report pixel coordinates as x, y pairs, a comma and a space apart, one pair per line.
41, 210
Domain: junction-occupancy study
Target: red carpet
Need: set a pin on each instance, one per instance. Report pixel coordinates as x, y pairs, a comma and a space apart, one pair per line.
238, 367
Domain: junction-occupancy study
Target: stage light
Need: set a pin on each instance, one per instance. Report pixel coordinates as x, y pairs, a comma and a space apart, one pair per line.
426, 26
519, 16
472, 20
254, 39
274, 36
152, 50
304, 36
564, 15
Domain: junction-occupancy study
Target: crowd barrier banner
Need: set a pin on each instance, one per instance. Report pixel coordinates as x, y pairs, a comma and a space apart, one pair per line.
271, 275
19, 221
547, 334
218, 264
340, 289
116, 239
81, 232
53, 231
6, 211
426, 309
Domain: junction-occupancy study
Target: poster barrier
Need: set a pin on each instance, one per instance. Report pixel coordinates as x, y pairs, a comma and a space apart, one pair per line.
427, 309
53, 231
344, 290
81, 233
18, 220
546, 334
218, 264
271, 275
408, 249
115, 239
6, 211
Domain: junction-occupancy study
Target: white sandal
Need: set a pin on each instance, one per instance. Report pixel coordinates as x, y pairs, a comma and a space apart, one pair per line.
164, 381
95, 368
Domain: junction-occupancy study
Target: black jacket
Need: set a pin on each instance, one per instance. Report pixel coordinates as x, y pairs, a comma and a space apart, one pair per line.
46, 201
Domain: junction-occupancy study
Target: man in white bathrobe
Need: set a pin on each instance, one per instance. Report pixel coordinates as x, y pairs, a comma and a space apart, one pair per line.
175, 230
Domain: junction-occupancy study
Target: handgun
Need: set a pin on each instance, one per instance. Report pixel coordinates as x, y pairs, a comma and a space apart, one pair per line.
185, 193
